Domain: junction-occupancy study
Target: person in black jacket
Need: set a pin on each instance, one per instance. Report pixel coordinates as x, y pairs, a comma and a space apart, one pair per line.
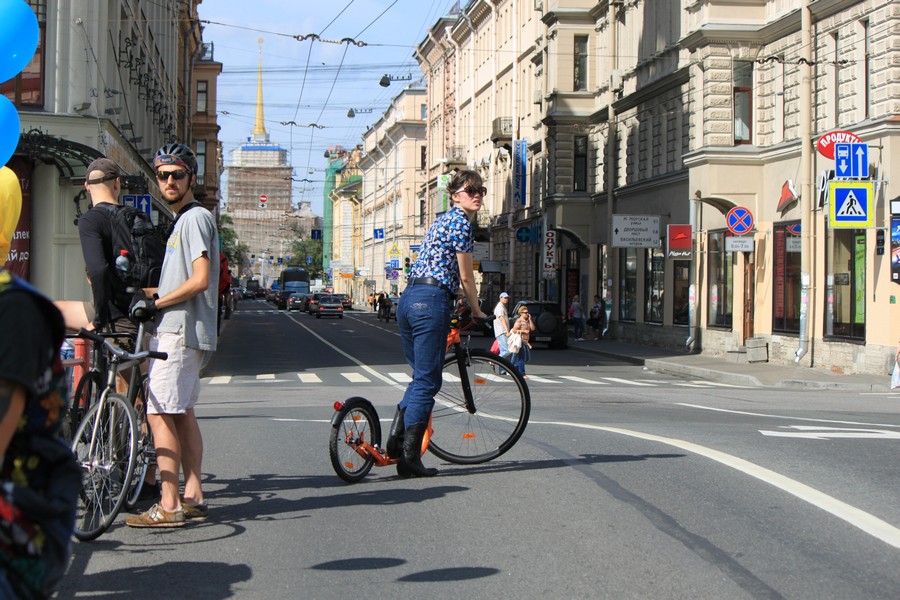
95, 232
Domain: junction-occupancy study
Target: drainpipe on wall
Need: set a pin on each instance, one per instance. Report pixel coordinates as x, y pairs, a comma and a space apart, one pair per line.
691, 341
805, 179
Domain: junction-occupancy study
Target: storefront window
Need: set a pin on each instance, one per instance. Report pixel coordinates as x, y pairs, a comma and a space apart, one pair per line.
846, 281
680, 290
721, 280
654, 283
786, 302
628, 284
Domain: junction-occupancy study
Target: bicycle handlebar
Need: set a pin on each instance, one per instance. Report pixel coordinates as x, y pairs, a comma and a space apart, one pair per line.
119, 352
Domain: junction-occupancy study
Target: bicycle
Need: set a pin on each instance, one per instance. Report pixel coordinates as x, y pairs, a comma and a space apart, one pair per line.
478, 419
109, 441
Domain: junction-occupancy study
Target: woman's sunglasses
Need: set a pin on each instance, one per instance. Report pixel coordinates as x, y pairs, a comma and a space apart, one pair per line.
177, 175
472, 190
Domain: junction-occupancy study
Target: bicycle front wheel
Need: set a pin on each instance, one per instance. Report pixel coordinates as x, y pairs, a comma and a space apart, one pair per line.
87, 392
501, 402
105, 448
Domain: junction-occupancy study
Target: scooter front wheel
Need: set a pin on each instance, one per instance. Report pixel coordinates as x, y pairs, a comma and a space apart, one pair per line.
354, 423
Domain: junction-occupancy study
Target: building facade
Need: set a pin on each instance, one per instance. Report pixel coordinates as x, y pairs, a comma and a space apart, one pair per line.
628, 118
108, 79
391, 214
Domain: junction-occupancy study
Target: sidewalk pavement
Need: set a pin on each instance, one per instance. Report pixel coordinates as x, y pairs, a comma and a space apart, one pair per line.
726, 371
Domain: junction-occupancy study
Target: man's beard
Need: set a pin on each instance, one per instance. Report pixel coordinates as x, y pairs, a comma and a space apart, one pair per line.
174, 202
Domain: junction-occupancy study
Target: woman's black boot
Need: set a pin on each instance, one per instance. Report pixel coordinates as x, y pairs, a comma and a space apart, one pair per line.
394, 445
410, 464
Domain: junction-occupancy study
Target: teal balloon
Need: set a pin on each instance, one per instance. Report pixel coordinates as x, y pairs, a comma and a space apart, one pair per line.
10, 128
18, 37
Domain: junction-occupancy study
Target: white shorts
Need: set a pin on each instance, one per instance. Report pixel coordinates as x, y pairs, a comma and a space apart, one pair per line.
174, 384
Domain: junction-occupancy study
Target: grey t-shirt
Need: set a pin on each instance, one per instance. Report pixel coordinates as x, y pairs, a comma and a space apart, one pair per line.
194, 235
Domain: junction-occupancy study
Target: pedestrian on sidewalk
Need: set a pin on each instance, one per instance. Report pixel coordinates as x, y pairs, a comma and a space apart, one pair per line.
597, 320
186, 330
895, 375
576, 313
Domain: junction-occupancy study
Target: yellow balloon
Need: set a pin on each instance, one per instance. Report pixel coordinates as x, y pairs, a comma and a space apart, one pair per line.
10, 208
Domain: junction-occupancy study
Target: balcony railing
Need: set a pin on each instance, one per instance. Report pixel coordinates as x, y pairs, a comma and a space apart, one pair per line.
456, 155
502, 129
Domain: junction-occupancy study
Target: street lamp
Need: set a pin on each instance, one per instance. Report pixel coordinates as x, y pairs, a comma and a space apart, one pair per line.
387, 79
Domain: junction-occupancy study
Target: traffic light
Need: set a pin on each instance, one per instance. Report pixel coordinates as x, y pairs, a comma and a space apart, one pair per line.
406, 264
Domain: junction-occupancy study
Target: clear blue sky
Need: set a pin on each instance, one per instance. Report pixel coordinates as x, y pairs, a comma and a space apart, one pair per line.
312, 81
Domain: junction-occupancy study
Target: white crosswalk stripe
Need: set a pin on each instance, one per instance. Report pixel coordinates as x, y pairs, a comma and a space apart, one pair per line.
542, 380
581, 380
627, 381
329, 376
356, 377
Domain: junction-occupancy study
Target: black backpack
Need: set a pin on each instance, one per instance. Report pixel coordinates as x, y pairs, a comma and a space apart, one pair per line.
132, 230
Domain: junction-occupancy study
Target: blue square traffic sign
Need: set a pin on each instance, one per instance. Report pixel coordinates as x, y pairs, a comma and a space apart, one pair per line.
851, 160
141, 202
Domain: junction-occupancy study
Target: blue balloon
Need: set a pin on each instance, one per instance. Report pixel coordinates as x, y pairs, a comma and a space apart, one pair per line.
18, 37
10, 129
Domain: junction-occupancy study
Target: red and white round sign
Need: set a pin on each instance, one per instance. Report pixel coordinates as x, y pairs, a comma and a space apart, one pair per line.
263, 197
825, 144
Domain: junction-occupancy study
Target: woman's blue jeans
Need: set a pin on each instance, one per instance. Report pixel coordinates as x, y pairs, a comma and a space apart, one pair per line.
521, 357
423, 316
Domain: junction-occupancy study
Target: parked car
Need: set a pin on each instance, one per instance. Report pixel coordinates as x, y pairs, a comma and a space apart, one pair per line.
329, 306
297, 301
346, 301
549, 322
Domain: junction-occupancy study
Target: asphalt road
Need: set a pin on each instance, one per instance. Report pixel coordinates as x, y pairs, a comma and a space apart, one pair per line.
626, 484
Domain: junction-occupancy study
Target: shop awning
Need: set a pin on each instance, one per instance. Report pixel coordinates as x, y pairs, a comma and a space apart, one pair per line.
70, 158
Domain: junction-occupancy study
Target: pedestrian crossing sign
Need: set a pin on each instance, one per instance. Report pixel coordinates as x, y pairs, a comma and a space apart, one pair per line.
851, 204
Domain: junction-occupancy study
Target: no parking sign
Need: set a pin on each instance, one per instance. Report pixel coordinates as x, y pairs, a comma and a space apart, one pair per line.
739, 220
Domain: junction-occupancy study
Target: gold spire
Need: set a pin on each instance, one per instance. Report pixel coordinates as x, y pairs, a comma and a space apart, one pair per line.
260, 128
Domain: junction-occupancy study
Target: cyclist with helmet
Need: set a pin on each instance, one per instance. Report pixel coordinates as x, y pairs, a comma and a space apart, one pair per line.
186, 329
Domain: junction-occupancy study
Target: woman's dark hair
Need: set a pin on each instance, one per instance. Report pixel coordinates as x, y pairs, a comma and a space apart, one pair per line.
464, 178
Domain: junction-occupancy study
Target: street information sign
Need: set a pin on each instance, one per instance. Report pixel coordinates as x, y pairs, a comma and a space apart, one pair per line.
739, 220
851, 160
851, 204
635, 231
739, 243
141, 202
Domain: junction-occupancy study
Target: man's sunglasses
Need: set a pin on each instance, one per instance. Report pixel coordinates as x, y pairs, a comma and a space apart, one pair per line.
472, 190
177, 175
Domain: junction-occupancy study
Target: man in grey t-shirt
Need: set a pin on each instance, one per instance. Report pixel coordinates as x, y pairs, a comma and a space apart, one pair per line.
187, 301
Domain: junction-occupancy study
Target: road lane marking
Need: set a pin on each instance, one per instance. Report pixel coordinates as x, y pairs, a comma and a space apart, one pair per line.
582, 380
266, 376
308, 378
628, 381
220, 380
813, 432
786, 417
356, 377
362, 365
860, 519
